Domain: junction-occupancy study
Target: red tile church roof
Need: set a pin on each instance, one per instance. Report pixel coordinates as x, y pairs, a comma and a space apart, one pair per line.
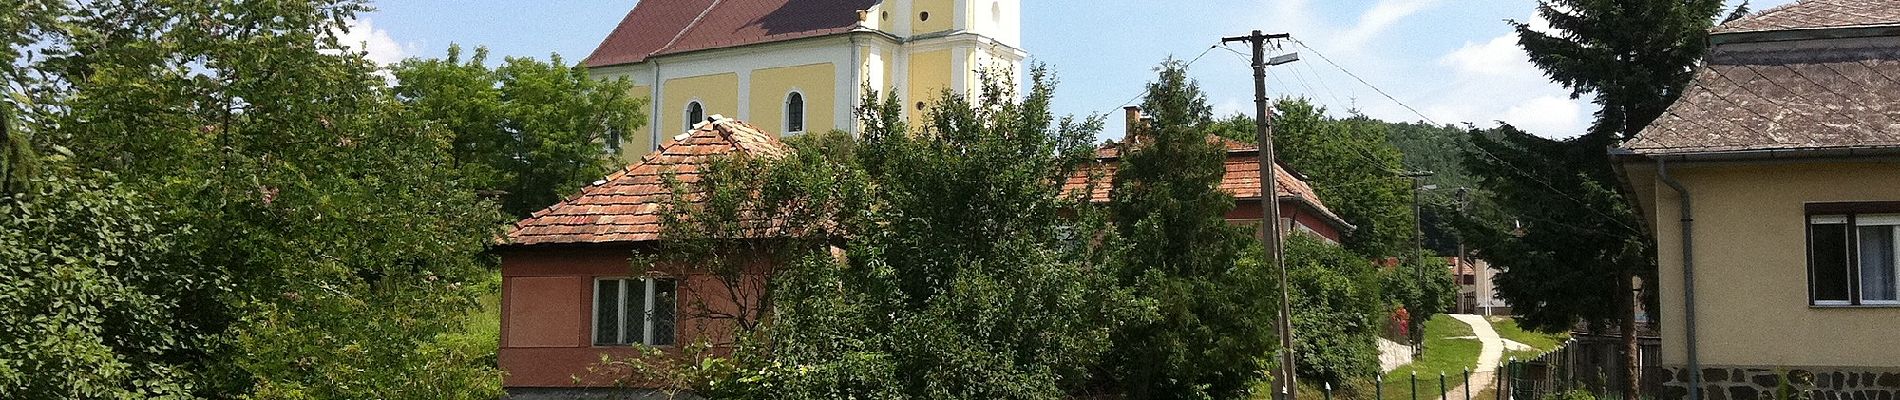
660, 27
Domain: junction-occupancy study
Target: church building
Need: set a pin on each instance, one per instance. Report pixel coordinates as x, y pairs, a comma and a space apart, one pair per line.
797, 66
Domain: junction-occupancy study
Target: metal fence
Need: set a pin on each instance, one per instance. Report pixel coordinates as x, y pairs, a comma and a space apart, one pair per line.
1587, 362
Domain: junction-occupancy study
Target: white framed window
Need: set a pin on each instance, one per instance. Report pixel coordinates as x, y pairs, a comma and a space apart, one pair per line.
794, 113
612, 140
695, 112
1853, 258
635, 311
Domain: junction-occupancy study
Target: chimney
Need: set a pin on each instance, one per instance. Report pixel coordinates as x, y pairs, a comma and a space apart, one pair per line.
1135, 125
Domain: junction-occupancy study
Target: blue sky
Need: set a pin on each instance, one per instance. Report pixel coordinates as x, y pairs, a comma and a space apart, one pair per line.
1454, 61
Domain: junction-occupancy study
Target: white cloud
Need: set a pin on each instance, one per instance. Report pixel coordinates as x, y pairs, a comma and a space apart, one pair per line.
362, 35
1499, 56
1495, 81
1374, 21
1546, 115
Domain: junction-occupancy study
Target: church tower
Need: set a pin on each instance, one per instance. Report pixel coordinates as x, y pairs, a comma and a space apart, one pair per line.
942, 44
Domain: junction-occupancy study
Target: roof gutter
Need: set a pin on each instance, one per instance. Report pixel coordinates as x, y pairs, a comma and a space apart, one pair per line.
1784, 35
1762, 154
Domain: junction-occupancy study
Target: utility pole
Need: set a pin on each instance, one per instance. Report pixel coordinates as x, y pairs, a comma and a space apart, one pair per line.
1270, 197
1418, 224
1418, 249
1478, 278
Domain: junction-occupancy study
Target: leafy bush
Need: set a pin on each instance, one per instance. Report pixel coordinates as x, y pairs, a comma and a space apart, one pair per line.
1337, 311
90, 290
1401, 287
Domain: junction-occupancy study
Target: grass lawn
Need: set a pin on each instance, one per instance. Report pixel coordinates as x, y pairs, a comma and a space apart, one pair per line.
1443, 353
481, 327
1544, 342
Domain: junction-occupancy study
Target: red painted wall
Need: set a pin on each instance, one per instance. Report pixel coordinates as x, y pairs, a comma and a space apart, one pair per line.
1250, 210
547, 303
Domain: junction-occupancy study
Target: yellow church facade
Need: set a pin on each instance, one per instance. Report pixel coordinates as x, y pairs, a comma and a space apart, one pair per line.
798, 66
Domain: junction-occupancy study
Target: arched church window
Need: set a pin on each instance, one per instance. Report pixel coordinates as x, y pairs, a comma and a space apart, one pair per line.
694, 114
794, 113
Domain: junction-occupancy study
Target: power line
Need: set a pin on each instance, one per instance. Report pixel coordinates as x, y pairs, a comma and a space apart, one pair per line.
1487, 153
1382, 92
1144, 91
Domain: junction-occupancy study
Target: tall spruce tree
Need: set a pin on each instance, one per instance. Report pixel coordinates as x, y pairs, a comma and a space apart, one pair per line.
1210, 339
1580, 248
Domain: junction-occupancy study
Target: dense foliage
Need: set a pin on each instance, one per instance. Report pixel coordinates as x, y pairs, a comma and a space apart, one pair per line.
1351, 165
964, 271
93, 278
531, 131
1338, 311
314, 241
1215, 332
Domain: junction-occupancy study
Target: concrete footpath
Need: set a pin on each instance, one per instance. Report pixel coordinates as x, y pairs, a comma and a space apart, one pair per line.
1484, 374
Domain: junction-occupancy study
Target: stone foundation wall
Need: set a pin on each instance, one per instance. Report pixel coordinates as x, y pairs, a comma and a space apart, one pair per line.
1759, 383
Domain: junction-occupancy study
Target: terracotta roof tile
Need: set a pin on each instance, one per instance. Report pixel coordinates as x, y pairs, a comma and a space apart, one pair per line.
656, 27
1789, 98
1818, 14
1242, 179
627, 205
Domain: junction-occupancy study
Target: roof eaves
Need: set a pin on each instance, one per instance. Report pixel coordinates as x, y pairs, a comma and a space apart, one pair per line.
1782, 35
1717, 154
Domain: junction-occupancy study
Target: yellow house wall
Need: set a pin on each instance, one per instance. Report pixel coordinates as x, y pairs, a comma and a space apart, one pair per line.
930, 74
817, 82
639, 140
719, 93
1751, 268
943, 15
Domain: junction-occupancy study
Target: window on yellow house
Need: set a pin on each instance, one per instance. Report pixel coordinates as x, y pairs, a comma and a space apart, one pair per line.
1853, 258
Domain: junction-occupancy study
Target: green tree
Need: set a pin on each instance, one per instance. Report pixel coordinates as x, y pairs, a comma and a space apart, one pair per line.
532, 131
344, 243
1581, 248
1210, 339
962, 269
1352, 165
94, 276
1337, 311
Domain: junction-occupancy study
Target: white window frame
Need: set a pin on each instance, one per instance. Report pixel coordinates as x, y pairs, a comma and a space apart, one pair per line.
1888, 220
647, 306
1852, 223
688, 114
804, 113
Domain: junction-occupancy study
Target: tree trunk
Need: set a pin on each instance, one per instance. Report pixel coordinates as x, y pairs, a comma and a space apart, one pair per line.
1631, 371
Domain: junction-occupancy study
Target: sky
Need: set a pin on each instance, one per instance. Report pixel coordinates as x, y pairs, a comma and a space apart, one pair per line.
1442, 61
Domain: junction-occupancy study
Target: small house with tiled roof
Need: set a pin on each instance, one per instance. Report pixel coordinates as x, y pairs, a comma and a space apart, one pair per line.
794, 66
1772, 187
571, 292
1300, 207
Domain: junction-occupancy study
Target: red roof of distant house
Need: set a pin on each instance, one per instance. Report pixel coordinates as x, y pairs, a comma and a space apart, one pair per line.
656, 27
1242, 179
627, 206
